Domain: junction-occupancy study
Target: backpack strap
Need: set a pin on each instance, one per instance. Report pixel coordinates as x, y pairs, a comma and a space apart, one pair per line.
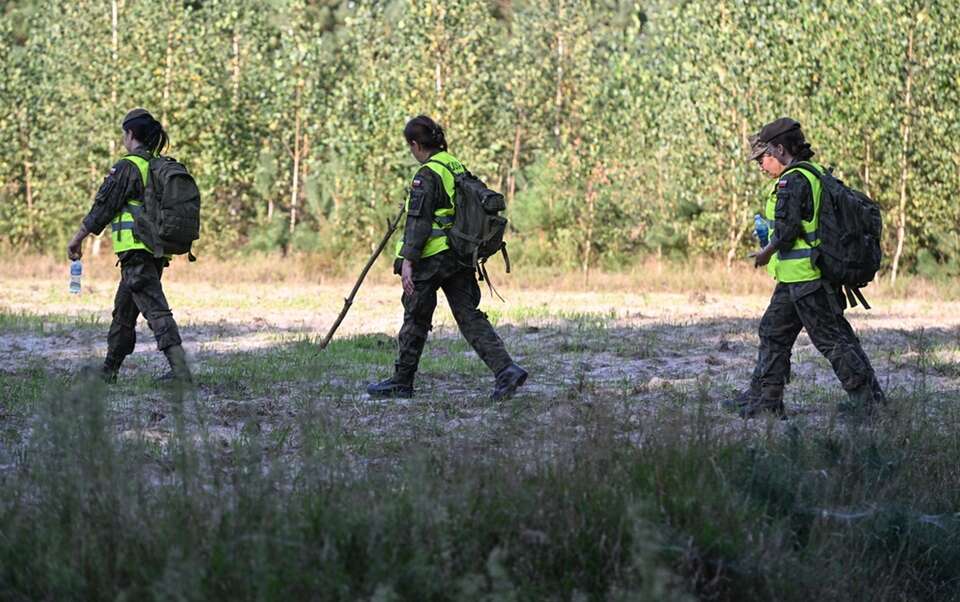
444, 231
482, 269
853, 293
809, 167
832, 295
443, 165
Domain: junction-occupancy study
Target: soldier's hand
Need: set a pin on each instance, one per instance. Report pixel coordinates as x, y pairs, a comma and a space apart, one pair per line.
406, 276
760, 258
75, 247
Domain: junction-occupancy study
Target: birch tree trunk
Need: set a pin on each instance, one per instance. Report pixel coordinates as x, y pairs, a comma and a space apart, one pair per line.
591, 201
904, 156
558, 99
514, 165
167, 75
98, 239
866, 166
736, 226
235, 76
115, 57
295, 178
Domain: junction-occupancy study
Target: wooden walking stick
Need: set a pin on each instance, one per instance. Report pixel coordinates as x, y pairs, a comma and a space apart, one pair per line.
391, 228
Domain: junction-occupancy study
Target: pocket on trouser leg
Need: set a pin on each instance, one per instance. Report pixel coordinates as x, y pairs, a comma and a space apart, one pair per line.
850, 369
165, 331
121, 341
139, 276
120, 318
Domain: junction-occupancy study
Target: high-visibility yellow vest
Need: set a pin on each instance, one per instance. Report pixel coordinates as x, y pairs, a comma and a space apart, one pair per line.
448, 167
122, 224
796, 265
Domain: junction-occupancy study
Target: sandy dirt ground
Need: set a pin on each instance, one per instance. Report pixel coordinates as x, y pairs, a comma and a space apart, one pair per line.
648, 362
640, 341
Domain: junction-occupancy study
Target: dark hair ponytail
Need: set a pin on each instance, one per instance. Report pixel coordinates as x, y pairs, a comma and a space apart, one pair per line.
426, 132
795, 143
146, 130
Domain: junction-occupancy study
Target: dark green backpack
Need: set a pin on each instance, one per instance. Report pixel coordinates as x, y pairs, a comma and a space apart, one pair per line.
850, 230
170, 219
478, 228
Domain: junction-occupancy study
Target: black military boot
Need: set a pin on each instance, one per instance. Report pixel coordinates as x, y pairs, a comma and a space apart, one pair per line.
508, 380
770, 400
179, 371
394, 387
761, 405
108, 372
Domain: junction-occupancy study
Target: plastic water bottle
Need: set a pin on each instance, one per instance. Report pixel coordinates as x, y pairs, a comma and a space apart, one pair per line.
76, 271
761, 230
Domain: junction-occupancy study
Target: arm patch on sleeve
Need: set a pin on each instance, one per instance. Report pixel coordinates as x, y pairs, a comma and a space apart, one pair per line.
416, 201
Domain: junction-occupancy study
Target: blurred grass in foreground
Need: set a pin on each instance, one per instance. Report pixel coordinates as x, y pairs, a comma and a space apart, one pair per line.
672, 506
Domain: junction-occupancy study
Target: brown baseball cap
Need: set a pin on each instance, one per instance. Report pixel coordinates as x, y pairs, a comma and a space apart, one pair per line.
768, 133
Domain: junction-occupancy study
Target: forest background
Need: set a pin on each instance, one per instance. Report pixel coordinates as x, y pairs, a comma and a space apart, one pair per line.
617, 129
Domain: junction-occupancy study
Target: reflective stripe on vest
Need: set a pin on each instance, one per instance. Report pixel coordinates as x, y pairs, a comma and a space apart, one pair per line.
796, 265
122, 225
442, 218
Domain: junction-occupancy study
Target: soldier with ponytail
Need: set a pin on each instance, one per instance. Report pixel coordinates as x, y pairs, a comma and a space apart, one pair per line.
120, 196
426, 264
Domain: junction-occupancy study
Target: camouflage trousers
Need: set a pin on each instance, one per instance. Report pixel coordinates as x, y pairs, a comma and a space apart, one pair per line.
459, 285
818, 308
140, 292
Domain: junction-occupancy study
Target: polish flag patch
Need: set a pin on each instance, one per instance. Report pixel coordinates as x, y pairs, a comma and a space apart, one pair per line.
417, 183
782, 184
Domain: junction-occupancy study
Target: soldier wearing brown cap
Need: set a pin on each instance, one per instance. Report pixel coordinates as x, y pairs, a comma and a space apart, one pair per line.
801, 299
139, 291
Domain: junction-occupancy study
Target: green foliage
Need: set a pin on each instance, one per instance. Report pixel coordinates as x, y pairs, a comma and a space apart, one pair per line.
615, 128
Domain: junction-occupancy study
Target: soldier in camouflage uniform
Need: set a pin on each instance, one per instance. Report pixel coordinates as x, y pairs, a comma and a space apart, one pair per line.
426, 264
139, 291
801, 299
